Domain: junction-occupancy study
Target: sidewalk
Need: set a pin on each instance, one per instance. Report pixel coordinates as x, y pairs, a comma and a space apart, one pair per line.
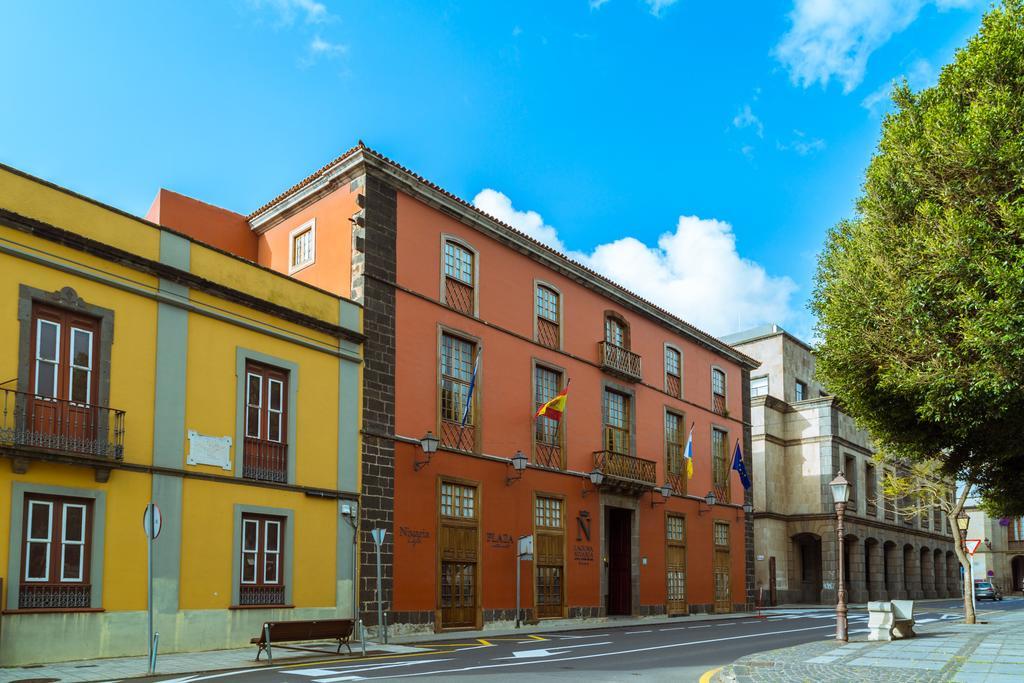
244, 658
992, 652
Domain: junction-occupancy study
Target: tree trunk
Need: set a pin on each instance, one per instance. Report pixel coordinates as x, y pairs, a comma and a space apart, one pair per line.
961, 554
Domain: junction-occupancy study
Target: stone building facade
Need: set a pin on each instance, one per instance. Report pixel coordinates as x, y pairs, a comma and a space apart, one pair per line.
1000, 555
801, 439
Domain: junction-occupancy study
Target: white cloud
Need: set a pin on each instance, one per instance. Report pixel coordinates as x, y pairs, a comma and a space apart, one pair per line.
694, 271
801, 144
747, 118
500, 206
312, 12
835, 38
658, 5
596, 4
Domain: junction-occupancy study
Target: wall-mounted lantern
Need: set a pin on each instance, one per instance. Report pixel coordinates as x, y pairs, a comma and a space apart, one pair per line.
596, 478
518, 463
710, 501
429, 445
665, 490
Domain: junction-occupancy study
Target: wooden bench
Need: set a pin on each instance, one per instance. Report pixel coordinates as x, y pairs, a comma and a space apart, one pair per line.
275, 632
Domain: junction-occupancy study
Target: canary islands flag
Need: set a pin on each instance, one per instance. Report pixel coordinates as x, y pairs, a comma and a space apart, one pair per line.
554, 408
688, 453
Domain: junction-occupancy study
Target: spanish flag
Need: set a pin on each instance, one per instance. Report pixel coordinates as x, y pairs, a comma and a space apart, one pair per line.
554, 408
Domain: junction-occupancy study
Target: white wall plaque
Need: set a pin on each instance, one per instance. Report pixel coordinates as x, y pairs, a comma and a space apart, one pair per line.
209, 450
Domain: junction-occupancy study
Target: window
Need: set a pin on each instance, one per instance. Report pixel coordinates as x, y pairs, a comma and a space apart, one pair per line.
265, 455
850, 470
302, 248
457, 362
549, 513
616, 332
262, 581
616, 422
719, 464
675, 564
459, 277
718, 391
1017, 529
548, 317
546, 435
890, 505
458, 501
870, 489
56, 536
800, 392
759, 386
674, 445
721, 534
673, 371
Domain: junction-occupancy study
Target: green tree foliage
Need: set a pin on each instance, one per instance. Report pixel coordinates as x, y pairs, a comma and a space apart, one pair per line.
920, 296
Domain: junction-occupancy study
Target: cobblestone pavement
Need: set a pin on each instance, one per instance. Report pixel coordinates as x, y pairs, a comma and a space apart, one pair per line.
983, 653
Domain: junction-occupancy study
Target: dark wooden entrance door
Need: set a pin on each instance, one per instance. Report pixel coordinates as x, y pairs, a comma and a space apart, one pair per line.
620, 561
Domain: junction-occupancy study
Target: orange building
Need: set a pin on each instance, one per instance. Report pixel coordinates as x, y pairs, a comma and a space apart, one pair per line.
450, 293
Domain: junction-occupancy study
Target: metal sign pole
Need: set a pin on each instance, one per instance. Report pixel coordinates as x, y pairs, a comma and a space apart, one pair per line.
378, 540
519, 564
152, 522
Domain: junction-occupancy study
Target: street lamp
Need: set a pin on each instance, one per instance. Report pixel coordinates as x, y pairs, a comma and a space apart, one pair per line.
596, 477
666, 492
710, 501
518, 463
841, 495
963, 520
747, 509
428, 444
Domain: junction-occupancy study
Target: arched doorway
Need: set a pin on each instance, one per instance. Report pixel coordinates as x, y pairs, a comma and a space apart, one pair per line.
807, 565
873, 576
1017, 569
891, 563
925, 565
911, 573
939, 573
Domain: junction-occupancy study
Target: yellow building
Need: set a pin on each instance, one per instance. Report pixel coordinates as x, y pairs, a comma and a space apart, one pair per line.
140, 365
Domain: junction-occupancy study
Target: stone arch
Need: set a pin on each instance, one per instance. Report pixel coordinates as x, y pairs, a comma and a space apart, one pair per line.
853, 568
806, 567
953, 581
892, 566
1017, 572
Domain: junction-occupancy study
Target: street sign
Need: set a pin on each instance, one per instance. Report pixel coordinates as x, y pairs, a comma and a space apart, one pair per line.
972, 545
378, 536
152, 521
526, 547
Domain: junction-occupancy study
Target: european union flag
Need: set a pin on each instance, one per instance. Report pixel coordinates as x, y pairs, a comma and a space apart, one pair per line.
737, 464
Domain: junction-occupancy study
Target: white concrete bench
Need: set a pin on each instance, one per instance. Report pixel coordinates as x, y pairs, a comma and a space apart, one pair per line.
891, 620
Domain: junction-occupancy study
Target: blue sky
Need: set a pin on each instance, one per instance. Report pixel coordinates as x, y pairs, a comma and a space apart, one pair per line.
697, 152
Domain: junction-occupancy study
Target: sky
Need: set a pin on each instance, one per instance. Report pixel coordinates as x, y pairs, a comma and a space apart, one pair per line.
695, 152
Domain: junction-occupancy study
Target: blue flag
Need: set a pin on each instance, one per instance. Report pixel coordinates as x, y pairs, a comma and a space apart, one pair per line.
472, 385
737, 464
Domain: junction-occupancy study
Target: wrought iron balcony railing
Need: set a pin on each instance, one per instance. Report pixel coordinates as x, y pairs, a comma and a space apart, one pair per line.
265, 460
625, 467
60, 426
54, 596
620, 361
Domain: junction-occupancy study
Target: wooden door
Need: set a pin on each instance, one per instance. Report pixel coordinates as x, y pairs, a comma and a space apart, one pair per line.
549, 556
675, 565
721, 569
63, 381
620, 564
458, 541
772, 599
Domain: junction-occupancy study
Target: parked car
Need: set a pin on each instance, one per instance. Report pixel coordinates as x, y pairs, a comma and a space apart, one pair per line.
986, 590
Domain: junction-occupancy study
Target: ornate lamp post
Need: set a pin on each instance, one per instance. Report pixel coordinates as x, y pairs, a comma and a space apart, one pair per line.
841, 495
963, 520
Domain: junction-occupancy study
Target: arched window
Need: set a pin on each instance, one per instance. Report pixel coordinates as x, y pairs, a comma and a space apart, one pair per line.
718, 390
549, 316
459, 277
673, 371
616, 331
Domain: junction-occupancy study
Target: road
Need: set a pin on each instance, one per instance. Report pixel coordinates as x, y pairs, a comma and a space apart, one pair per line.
659, 652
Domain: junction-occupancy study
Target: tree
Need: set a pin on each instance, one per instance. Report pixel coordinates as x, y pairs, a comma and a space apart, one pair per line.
924, 488
920, 295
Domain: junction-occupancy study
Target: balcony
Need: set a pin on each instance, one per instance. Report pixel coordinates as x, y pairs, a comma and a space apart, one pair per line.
624, 472
60, 427
619, 361
265, 460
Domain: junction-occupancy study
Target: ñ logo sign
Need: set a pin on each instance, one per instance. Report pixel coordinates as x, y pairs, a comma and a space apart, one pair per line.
583, 525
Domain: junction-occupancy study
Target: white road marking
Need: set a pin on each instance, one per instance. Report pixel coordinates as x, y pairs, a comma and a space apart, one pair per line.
550, 651
610, 654
374, 668
633, 633
704, 626
596, 635
312, 673
674, 628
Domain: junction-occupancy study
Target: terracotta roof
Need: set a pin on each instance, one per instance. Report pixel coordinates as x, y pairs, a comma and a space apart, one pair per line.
361, 147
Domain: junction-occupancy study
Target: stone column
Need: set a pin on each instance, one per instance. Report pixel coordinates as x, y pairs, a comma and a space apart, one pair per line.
876, 571
927, 573
856, 584
941, 589
911, 574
